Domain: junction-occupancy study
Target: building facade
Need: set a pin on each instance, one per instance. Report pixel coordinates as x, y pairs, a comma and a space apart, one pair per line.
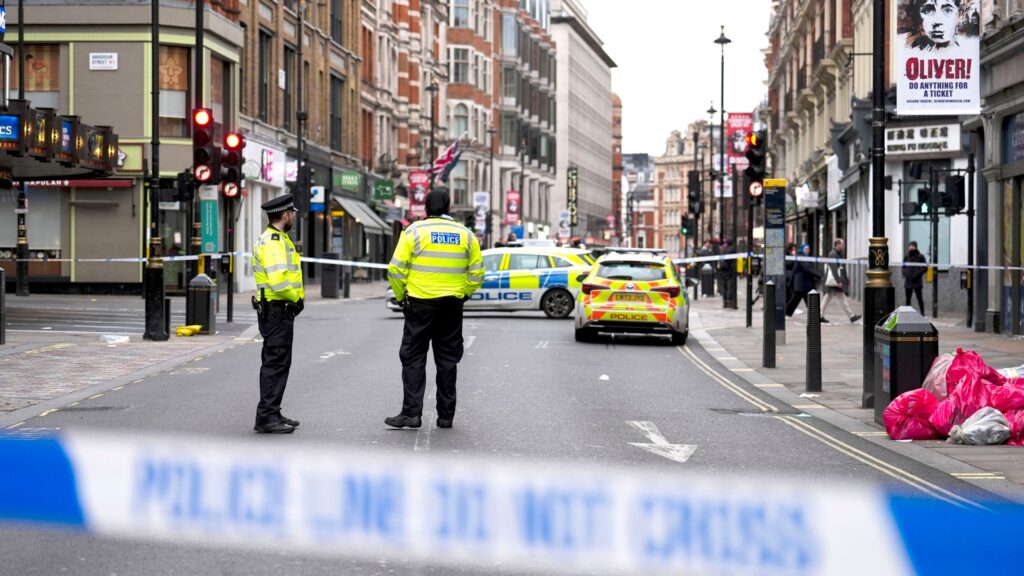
585, 132
615, 229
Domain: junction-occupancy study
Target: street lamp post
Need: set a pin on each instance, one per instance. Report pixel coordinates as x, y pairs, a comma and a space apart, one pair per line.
711, 171
491, 131
522, 178
722, 41
433, 89
879, 295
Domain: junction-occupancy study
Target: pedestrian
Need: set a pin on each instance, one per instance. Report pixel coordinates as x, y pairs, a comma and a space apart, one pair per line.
790, 266
837, 282
804, 279
278, 275
914, 267
436, 266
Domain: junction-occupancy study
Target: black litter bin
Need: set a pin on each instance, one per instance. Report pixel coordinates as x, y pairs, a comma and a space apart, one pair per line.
906, 344
202, 304
329, 278
707, 280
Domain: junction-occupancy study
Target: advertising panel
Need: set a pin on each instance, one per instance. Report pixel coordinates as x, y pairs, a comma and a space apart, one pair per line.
419, 181
937, 65
512, 207
481, 205
738, 125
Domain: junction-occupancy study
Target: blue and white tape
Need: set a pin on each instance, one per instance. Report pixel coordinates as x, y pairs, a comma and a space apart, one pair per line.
465, 511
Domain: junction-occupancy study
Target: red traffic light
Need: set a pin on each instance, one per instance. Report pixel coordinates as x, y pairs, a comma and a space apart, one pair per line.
234, 141
230, 189
753, 140
202, 116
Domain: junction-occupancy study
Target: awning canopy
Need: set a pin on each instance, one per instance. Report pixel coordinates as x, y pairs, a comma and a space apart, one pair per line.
364, 215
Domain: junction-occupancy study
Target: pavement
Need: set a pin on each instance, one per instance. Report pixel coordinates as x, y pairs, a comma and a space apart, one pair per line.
527, 392
723, 331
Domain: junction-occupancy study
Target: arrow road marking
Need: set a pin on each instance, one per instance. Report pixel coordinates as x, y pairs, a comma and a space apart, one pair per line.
659, 445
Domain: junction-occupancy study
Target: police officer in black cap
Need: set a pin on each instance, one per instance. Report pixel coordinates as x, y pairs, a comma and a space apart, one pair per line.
280, 299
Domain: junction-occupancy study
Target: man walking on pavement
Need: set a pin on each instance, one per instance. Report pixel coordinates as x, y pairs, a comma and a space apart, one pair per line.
912, 274
837, 282
436, 266
278, 275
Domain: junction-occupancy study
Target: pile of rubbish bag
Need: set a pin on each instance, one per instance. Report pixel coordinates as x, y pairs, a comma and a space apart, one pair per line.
963, 400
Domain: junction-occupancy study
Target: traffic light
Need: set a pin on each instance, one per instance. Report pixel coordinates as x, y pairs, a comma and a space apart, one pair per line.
924, 201
204, 157
756, 157
688, 226
231, 163
954, 199
693, 194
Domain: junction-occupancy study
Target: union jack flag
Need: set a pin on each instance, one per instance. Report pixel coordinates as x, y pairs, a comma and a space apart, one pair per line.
447, 161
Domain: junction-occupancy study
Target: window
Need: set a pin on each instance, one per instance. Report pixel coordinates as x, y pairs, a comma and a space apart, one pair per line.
42, 76
289, 86
509, 81
264, 71
460, 120
522, 262
509, 34
220, 96
492, 262
460, 184
509, 129
241, 69
337, 94
460, 14
336, 30
174, 104
631, 271
460, 65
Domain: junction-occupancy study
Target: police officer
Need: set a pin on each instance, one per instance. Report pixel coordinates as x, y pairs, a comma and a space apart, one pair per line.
279, 300
436, 266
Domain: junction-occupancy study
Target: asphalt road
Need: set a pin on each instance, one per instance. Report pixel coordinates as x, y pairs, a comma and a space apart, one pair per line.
526, 390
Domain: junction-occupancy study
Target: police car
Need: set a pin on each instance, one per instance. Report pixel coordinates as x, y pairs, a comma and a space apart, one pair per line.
633, 293
527, 278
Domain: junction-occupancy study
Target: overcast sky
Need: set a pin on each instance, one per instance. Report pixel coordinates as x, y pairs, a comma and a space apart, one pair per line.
668, 63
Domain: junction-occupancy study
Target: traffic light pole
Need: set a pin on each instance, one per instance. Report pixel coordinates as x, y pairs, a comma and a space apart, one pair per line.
879, 295
970, 240
937, 205
750, 262
196, 245
153, 282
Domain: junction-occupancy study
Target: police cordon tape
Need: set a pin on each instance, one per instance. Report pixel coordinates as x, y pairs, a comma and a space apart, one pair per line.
470, 511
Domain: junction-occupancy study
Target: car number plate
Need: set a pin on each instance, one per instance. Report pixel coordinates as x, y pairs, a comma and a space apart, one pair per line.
629, 297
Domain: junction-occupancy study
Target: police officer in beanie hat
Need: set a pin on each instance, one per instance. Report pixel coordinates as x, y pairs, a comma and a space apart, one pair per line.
436, 266
280, 298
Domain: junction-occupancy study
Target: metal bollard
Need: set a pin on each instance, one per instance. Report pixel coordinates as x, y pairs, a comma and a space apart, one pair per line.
3, 309
768, 341
813, 342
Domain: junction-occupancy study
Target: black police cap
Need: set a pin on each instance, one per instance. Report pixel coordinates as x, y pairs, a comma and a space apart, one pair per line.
280, 204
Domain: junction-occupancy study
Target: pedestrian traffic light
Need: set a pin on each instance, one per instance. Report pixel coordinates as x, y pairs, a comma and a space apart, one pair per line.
954, 198
204, 159
231, 160
924, 201
693, 193
756, 157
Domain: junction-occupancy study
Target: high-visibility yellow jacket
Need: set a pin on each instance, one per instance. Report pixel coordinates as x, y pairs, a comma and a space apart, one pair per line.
436, 257
277, 267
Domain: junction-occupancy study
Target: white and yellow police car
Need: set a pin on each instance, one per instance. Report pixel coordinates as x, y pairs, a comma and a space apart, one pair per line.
527, 278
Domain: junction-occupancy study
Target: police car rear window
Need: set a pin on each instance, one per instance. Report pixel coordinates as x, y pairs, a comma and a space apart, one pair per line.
639, 271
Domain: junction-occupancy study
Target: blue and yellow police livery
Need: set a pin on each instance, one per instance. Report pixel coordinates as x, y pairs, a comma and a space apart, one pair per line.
529, 278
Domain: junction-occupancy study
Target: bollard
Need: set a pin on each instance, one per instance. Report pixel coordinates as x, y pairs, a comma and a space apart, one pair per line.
768, 341
167, 315
329, 280
346, 282
3, 309
813, 342
707, 280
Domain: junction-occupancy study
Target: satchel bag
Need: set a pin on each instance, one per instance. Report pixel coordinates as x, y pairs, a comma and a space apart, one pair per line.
830, 279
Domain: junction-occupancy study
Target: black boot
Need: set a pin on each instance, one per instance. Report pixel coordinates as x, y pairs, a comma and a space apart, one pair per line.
402, 421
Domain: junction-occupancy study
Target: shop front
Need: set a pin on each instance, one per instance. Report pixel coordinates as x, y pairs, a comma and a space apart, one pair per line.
358, 232
1010, 225
264, 172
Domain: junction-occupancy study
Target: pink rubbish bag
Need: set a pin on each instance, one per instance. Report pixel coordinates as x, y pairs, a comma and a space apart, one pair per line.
935, 381
968, 363
1016, 420
906, 417
1007, 397
969, 397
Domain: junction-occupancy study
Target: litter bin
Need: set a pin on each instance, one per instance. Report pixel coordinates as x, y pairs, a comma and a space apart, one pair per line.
906, 344
329, 277
202, 304
707, 280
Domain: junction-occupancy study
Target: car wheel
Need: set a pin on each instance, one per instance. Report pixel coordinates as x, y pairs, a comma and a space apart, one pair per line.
584, 335
557, 304
679, 338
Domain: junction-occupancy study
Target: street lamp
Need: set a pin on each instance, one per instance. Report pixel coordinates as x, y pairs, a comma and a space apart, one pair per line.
722, 41
433, 88
491, 131
711, 173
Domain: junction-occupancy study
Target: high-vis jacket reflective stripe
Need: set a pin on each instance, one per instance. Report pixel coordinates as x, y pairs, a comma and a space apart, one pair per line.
436, 257
277, 267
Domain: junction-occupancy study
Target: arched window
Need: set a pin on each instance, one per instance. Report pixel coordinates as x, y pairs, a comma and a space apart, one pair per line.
460, 121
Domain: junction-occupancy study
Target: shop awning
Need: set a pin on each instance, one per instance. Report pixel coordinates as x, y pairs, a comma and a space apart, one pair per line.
364, 215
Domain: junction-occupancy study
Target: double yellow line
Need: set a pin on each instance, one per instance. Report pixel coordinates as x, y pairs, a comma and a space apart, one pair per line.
838, 445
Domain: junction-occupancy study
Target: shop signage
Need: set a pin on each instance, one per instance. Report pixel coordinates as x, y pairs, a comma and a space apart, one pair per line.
3, 22
383, 190
348, 180
9, 130
103, 61
1013, 139
937, 59
916, 140
318, 198
573, 185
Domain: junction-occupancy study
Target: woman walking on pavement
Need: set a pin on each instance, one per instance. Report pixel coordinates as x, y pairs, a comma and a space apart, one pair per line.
804, 279
837, 282
913, 271
790, 265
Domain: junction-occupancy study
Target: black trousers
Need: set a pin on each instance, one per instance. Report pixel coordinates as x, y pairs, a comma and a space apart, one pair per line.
438, 322
914, 290
277, 326
794, 301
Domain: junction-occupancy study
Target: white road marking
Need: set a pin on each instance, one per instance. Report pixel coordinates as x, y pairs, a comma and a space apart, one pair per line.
542, 344
468, 341
332, 354
659, 445
604, 377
